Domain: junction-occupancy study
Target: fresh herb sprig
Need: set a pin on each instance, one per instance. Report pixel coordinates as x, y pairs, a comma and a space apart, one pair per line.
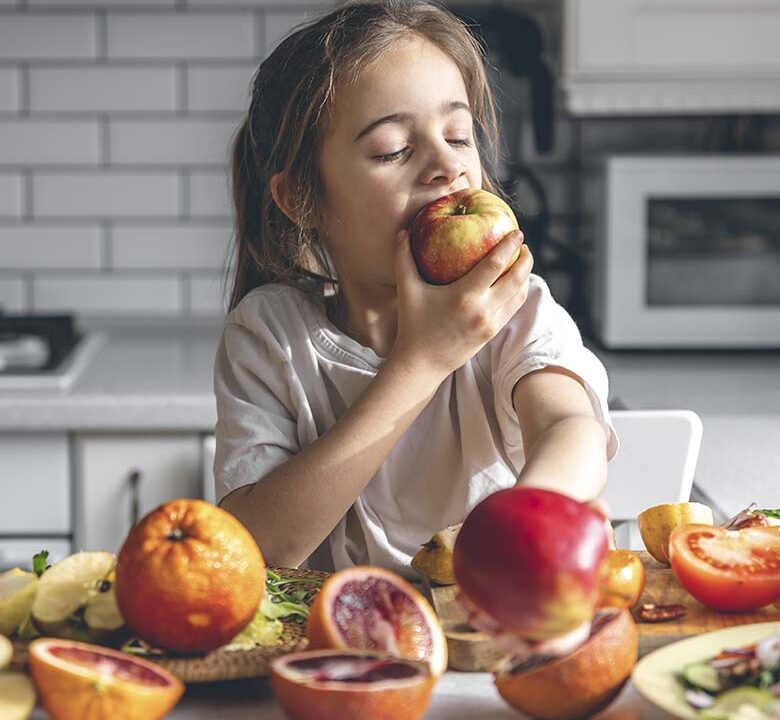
39, 565
287, 597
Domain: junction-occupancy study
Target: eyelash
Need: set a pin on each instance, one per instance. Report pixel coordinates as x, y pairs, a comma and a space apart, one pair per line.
398, 154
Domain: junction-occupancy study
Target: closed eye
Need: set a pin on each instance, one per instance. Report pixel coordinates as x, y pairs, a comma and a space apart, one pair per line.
399, 154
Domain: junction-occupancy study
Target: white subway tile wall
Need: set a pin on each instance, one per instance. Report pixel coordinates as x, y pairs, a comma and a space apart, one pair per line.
11, 195
116, 118
12, 294
9, 89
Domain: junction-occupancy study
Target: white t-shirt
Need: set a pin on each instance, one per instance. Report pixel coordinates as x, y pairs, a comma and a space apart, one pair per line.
284, 374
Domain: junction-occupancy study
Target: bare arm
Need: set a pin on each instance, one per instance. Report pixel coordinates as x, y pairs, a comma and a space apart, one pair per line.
294, 507
565, 446
297, 505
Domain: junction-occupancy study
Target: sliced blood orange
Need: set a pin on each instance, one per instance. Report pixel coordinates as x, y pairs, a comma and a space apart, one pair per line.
581, 683
351, 685
77, 680
365, 607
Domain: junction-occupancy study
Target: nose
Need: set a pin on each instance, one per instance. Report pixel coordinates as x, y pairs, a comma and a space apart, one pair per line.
444, 166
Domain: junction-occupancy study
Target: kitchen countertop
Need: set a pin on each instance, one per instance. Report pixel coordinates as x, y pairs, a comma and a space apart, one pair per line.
139, 380
160, 379
458, 696
709, 383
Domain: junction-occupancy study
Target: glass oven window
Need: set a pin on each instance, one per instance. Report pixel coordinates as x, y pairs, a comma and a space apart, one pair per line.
713, 251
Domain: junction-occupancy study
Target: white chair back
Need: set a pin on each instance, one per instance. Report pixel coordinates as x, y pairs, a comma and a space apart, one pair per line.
656, 464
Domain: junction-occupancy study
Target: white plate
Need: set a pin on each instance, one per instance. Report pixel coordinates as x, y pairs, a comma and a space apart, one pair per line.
655, 676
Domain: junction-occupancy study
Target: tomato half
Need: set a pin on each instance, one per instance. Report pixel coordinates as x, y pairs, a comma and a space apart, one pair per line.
731, 570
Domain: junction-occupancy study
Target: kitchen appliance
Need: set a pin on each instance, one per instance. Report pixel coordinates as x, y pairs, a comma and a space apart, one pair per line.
43, 351
688, 253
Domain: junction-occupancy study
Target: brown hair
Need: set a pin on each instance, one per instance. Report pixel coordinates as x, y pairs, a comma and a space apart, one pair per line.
293, 90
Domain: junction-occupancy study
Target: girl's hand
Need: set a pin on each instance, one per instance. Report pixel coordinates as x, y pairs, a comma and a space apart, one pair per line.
440, 327
520, 648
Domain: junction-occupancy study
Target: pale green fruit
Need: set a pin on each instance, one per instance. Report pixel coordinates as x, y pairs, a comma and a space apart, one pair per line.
17, 696
76, 598
6, 652
17, 593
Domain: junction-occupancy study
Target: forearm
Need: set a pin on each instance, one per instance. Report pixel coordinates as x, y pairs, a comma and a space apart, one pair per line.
294, 508
569, 457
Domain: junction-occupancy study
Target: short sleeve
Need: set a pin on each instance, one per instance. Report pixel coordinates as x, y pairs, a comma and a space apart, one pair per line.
542, 334
256, 425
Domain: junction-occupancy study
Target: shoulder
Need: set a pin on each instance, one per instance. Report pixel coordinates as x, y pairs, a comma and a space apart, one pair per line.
271, 320
269, 302
541, 315
274, 309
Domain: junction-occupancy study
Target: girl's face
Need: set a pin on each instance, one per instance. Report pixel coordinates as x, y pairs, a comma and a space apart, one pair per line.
400, 136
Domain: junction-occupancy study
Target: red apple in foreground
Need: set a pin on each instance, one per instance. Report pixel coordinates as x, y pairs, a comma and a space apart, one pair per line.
452, 234
530, 560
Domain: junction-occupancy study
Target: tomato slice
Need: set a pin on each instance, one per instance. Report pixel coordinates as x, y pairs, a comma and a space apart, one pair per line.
730, 570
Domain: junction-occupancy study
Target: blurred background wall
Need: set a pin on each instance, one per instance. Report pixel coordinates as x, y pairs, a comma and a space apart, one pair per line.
115, 124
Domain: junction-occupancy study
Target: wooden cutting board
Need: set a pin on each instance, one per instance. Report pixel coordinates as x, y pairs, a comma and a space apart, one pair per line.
472, 651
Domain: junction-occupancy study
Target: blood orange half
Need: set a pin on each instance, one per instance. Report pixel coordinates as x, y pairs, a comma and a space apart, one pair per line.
580, 684
371, 608
77, 680
351, 685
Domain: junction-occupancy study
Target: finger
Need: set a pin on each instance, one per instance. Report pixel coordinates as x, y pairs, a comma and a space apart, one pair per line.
507, 288
494, 264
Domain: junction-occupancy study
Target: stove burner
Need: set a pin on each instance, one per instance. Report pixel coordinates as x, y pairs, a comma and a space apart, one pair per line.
36, 343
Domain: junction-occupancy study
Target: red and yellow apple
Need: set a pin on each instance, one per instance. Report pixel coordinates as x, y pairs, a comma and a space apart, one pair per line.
452, 234
530, 560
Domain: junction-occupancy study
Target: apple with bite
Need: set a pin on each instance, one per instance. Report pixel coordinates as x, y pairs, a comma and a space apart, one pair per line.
449, 236
530, 560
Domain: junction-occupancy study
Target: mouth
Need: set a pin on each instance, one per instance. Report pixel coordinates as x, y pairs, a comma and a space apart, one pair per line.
413, 214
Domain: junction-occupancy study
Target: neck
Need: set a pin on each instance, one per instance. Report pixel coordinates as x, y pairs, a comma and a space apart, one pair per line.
368, 317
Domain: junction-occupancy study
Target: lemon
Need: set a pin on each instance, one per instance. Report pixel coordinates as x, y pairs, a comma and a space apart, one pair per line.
17, 696
76, 598
657, 522
434, 558
17, 593
6, 652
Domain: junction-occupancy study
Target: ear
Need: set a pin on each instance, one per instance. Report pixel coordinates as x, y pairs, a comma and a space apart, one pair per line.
280, 192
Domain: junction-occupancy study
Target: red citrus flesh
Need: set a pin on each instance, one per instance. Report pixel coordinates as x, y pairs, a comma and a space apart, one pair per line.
374, 609
77, 680
351, 685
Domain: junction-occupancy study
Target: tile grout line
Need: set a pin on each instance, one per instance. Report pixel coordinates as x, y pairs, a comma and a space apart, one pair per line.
101, 37
104, 141
259, 34
185, 292
28, 214
185, 195
106, 247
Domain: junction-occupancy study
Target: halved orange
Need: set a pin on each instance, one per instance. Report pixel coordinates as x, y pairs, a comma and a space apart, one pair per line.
351, 685
78, 680
366, 607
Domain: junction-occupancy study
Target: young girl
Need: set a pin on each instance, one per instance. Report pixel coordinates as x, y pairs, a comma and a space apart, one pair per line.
361, 409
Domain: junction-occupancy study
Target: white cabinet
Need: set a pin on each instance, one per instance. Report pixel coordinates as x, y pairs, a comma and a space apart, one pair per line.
34, 484
35, 497
119, 478
670, 56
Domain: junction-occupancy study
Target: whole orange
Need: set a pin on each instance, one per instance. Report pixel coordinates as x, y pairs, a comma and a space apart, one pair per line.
189, 577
